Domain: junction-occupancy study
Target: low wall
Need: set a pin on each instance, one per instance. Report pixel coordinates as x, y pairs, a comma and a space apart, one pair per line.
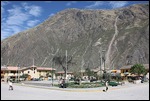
137, 81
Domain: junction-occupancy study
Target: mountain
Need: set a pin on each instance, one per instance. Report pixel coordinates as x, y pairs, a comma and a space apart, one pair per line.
123, 34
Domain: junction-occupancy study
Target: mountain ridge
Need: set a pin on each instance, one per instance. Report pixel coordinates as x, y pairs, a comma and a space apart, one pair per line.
77, 31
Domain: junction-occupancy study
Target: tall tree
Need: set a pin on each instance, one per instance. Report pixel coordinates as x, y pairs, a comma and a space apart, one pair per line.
89, 72
138, 69
62, 60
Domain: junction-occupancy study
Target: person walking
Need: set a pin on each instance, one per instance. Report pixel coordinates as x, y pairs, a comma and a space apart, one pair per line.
61, 83
106, 85
10, 85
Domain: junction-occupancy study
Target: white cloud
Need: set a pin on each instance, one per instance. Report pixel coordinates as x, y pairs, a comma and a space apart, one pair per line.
52, 14
35, 10
16, 16
3, 19
118, 4
4, 34
15, 29
70, 3
9, 31
25, 6
95, 4
2, 10
19, 18
3, 3
32, 23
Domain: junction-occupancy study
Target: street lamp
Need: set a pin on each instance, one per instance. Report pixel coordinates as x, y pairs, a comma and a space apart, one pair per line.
66, 66
105, 75
104, 58
52, 72
98, 43
18, 72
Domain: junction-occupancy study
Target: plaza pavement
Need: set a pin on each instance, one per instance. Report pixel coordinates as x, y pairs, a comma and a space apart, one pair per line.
128, 91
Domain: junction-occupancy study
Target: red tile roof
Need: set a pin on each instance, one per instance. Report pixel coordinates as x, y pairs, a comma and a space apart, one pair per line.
11, 68
45, 68
62, 72
33, 66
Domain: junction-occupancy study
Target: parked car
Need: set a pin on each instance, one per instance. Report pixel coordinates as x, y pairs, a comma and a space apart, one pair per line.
113, 83
35, 79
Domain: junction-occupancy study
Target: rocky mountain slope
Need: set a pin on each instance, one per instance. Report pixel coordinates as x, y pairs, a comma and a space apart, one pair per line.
123, 34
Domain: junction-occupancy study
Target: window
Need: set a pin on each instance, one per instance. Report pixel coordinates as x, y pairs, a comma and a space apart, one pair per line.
12, 71
28, 71
34, 72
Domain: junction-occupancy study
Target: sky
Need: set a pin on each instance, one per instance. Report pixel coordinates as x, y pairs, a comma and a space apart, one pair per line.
17, 16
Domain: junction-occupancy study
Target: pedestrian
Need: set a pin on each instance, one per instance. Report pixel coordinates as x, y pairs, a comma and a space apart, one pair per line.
106, 84
10, 85
60, 82
63, 83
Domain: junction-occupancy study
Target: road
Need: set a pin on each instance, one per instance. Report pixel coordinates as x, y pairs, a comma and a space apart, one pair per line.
26, 92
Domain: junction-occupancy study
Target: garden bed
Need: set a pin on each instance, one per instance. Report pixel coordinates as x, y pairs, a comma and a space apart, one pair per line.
83, 85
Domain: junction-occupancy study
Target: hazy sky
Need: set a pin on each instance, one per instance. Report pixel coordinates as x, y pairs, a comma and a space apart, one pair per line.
17, 16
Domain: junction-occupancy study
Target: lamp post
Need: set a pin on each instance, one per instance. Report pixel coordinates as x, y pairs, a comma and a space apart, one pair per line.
52, 72
100, 52
104, 71
104, 58
98, 43
66, 66
52, 65
18, 72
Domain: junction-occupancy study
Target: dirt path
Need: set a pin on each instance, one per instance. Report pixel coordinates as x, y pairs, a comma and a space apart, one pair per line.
111, 42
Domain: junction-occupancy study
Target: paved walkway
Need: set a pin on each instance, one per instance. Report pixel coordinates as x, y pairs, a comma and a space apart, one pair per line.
98, 89
31, 92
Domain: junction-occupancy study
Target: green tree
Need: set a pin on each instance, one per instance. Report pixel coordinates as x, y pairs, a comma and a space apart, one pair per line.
89, 72
106, 76
25, 76
61, 60
77, 74
138, 69
118, 77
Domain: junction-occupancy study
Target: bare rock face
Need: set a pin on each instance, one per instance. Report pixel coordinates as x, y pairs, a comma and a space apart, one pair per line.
124, 35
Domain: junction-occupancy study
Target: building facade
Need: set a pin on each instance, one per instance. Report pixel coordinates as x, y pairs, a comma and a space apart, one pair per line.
10, 72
